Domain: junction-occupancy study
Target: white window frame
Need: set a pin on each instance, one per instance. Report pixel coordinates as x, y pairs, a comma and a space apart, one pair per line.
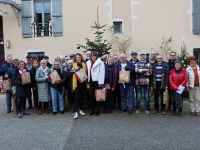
118, 20
35, 51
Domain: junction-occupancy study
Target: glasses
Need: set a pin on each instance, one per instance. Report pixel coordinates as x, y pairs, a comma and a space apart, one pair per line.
122, 57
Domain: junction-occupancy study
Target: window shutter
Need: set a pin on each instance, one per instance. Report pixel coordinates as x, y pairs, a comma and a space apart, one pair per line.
196, 17
57, 17
26, 19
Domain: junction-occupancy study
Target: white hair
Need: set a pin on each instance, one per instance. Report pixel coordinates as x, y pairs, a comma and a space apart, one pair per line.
62, 57
43, 61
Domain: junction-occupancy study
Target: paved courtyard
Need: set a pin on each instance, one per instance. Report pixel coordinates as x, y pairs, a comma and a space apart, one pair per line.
105, 132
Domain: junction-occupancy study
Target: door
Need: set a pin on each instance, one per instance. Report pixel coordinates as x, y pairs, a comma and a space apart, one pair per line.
2, 55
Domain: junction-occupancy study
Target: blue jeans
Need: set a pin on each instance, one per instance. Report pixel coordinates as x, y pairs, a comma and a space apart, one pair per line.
139, 94
57, 99
126, 91
8, 100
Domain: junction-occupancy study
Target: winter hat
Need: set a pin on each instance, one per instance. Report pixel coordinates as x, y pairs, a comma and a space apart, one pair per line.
15, 59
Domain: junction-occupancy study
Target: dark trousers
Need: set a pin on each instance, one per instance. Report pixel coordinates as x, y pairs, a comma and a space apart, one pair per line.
94, 86
174, 102
70, 96
109, 99
21, 104
35, 97
45, 105
117, 97
170, 101
30, 102
158, 93
79, 96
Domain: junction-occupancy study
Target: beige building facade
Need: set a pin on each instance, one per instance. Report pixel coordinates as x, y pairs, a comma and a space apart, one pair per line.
146, 21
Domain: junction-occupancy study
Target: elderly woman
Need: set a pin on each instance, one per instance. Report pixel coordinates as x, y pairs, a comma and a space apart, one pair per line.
42, 86
78, 87
178, 77
58, 89
111, 75
193, 86
23, 91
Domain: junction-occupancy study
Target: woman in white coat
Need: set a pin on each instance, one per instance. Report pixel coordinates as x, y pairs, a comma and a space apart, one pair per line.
193, 86
96, 76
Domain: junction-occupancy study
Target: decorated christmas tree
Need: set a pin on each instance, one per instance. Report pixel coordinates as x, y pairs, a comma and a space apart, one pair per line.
102, 47
183, 57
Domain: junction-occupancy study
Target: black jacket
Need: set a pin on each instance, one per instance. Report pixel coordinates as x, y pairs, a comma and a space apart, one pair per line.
69, 75
4, 69
129, 67
171, 64
135, 62
49, 65
33, 81
22, 91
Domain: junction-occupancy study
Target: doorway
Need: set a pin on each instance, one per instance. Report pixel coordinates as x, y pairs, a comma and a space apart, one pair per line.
2, 54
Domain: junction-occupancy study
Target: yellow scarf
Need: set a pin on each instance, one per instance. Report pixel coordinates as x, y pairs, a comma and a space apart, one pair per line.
74, 79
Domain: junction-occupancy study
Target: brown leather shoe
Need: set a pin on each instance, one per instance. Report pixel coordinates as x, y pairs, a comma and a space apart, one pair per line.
8, 111
39, 112
155, 112
47, 111
197, 113
15, 111
164, 113
192, 113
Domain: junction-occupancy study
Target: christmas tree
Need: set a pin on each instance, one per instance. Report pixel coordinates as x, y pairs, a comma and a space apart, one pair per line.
183, 57
102, 47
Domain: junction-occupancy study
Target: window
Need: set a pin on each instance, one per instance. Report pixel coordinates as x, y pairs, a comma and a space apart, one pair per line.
196, 53
196, 17
37, 55
42, 16
117, 27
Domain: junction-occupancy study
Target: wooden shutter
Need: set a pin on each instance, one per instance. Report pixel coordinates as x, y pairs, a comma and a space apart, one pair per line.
196, 17
57, 18
26, 19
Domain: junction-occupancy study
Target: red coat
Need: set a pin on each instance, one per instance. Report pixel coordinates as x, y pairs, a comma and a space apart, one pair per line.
175, 80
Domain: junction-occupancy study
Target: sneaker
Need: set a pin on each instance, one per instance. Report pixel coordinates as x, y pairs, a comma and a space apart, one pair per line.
75, 115
147, 112
19, 115
81, 112
26, 113
137, 111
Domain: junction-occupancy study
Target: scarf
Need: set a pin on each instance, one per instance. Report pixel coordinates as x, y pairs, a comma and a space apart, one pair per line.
44, 70
111, 67
74, 79
143, 61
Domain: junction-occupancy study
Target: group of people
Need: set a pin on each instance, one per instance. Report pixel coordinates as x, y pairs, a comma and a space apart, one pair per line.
147, 75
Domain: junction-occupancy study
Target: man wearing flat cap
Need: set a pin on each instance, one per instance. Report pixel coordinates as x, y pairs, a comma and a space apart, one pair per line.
49, 65
28, 62
143, 70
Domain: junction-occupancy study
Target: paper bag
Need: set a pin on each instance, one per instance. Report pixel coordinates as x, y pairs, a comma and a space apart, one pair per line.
150, 92
25, 77
54, 76
81, 75
6, 85
124, 76
100, 95
165, 97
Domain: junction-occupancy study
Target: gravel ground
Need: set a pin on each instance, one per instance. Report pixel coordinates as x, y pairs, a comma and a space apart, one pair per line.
33, 132
105, 132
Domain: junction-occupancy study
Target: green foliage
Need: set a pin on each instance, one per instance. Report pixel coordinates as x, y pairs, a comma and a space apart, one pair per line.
183, 57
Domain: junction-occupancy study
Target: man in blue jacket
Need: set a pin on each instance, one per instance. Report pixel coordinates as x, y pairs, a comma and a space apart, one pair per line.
10, 73
4, 72
126, 88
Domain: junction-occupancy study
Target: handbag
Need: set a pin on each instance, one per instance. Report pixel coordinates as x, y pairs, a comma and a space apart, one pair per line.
100, 95
81, 75
124, 76
6, 85
165, 97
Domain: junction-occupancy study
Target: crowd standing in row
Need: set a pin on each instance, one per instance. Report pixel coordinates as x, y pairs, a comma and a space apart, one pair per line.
146, 75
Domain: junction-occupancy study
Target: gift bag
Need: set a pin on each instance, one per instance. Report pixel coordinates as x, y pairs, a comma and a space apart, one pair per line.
150, 92
6, 85
81, 75
124, 76
25, 77
100, 95
54, 76
165, 97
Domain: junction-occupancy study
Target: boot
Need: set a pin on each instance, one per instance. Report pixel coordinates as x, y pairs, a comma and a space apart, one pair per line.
72, 108
92, 112
110, 111
180, 114
97, 112
39, 111
46, 110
